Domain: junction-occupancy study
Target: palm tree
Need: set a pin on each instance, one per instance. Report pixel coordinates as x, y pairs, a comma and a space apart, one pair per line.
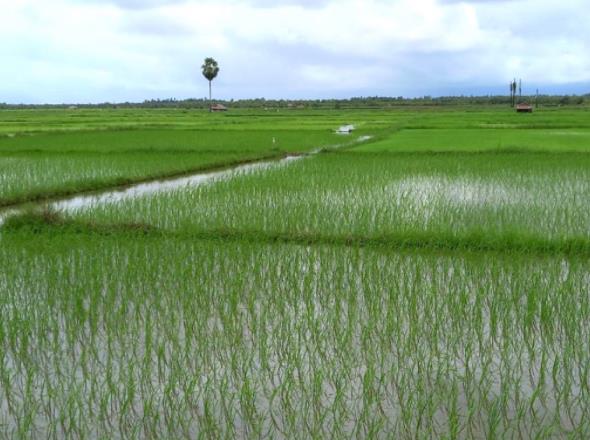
210, 71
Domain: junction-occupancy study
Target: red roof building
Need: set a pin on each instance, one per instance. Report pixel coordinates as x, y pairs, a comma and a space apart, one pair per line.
218, 108
524, 107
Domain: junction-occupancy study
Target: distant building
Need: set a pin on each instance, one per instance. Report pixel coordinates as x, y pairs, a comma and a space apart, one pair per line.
218, 108
524, 107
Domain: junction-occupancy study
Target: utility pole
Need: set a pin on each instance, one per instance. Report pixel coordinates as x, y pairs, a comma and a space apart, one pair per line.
520, 89
537, 99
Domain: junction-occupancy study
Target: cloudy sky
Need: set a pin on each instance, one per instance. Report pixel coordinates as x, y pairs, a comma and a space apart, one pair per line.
118, 50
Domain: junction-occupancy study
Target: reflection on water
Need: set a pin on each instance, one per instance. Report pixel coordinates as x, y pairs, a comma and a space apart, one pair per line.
345, 129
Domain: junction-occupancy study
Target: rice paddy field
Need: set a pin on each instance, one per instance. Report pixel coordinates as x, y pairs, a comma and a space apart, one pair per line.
431, 281
38, 165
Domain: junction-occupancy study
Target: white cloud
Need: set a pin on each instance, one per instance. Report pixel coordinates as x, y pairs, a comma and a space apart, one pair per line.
89, 50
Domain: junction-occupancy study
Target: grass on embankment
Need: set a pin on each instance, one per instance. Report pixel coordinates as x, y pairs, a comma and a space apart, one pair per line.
50, 222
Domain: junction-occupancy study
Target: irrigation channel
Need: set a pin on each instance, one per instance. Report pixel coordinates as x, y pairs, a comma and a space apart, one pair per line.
74, 202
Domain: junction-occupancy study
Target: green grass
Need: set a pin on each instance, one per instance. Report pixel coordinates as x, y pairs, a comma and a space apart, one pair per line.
168, 141
500, 117
473, 139
20, 122
50, 120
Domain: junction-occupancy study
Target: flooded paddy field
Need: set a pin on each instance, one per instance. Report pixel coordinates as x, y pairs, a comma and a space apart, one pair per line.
399, 286
56, 164
167, 337
474, 199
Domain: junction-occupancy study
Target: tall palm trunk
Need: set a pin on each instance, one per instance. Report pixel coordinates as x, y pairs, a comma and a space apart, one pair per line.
210, 71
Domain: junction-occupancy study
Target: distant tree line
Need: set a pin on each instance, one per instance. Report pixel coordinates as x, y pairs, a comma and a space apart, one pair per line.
352, 103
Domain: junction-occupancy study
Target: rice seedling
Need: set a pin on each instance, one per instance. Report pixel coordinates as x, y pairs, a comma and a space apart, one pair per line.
54, 140
484, 139
58, 164
145, 336
488, 201
25, 178
377, 291
25, 122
